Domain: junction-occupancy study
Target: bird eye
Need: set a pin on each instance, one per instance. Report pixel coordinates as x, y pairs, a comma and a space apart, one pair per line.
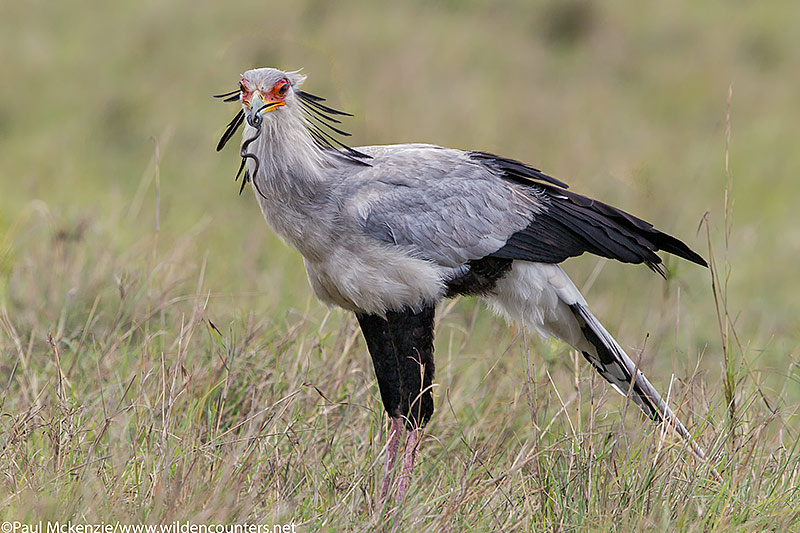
282, 88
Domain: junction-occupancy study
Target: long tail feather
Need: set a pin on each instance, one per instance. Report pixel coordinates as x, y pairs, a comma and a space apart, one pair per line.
541, 296
611, 361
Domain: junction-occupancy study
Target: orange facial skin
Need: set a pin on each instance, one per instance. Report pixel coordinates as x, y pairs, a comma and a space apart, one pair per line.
275, 97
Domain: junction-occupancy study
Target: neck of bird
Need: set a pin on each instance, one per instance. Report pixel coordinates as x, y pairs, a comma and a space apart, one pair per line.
290, 180
291, 164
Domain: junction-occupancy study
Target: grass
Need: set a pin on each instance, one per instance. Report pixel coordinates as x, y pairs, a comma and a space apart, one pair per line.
162, 359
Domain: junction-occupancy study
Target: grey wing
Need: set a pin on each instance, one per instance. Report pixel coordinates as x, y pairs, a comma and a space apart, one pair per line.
448, 210
452, 207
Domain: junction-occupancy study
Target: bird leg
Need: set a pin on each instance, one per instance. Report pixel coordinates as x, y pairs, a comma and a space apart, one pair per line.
396, 429
413, 439
401, 347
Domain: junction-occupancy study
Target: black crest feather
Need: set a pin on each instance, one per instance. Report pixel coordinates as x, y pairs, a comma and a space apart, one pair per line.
321, 117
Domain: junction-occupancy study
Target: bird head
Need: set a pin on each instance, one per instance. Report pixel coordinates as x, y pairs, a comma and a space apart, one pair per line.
273, 97
264, 90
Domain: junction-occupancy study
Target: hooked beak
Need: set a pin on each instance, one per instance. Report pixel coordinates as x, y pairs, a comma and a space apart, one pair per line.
257, 105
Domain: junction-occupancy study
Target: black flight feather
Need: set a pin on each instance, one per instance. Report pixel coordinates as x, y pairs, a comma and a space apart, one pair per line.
515, 170
571, 224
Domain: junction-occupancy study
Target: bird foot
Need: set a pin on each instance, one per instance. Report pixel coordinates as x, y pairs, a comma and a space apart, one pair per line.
396, 430
413, 439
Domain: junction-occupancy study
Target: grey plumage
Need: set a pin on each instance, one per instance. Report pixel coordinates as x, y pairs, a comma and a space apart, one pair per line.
389, 231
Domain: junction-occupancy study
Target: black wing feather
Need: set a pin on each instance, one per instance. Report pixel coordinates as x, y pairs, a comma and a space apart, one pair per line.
570, 224
515, 170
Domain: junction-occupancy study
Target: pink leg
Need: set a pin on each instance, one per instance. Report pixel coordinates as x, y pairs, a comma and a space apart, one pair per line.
413, 439
397, 428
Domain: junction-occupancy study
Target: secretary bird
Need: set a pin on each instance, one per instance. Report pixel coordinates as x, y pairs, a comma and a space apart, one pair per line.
388, 232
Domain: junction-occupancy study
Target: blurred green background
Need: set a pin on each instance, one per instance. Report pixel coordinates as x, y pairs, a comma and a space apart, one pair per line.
625, 101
